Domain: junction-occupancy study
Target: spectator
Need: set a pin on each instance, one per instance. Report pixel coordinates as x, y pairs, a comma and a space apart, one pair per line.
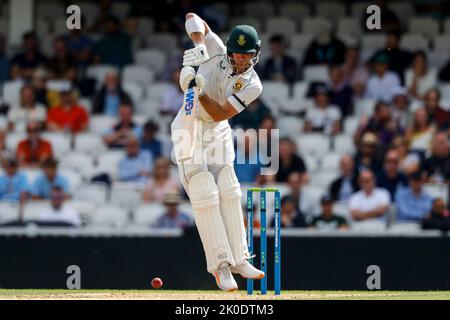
247, 162
173, 96
366, 156
161, 183
108, 99
328, 220
399, 59
370, 202
412, 202
420, 134
401, 114
437, 115
4, 61
13, 184
124, 129
409, 162
39, 81
5, 152
69, 116
149, 140
355, 74
419, 79
438, 218
252, 117
305, 205
173, 217
279, 67
323, 117
444, 72
80, 46
382, 83
390, 177
28, 110
105, 50
48, 179
289, 161
325, 48
60, 214
62, 59
34, 150
347, 183
380, 124
436, 167
290, 215
137, 164
24, 63
341, 94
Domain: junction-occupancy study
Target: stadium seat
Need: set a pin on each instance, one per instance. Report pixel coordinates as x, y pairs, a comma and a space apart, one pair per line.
290, 126
311, 163
349, 25
259, 10
90, 12
108, 162
323, 178
369, 226
280, 25
32, 210
48, 10
80, 162
86, 103
147, 214
120, 9
98, 124
442, 43
364, 107
330, 162
404, 228
9, 211
95, 192
295, 11
351, 125
274, 94
135, 91
315, 73
89, 143
31, 174
148, 108
128, 197
146, 26
249, 20
330, 10
98, 72
11, 91
447, 26
312, 24
166, 42
137, 74
156, 91
359, 8
61, 143
85, 208
155, 59
413, 42
42, 27
59, 26
74, 178
428, 27
403, 9
343, 143
313, 143
445, 91
13, 139
111, 216
301, 41
373, 41
342, 209
437, 190
300, 89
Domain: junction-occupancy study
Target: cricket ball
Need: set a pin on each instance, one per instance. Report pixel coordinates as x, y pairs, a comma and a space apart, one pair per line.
157, 283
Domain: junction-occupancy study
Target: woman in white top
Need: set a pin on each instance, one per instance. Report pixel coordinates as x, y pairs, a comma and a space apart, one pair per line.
323, 117
420, 134
418, 77
161, 183
28, 110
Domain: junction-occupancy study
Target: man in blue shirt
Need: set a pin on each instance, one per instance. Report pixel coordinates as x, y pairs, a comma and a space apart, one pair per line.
13, 184
42, 186
173, 217
137, 164
149, 140
412, 202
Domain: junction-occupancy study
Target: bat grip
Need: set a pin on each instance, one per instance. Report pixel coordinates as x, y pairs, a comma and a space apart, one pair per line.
192, 83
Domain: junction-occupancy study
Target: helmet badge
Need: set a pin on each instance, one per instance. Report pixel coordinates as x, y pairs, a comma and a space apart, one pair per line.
241, 41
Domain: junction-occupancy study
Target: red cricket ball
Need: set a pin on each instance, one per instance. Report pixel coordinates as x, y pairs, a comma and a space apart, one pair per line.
157, 283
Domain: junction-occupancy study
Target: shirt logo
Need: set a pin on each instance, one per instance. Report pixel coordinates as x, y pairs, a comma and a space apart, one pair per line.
241, 41
238, 85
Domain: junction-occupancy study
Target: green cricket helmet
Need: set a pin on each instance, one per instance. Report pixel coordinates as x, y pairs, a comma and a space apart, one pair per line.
244, 39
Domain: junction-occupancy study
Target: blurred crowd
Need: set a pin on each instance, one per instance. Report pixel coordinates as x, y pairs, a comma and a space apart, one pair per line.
397, 151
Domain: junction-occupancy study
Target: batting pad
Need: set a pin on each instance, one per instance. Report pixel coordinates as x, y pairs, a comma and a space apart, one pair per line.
204, 197
231, 209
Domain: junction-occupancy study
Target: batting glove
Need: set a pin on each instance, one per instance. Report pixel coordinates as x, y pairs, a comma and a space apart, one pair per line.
196, 56
187, 74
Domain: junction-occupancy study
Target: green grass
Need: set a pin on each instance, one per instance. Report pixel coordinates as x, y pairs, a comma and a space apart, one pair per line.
193, 294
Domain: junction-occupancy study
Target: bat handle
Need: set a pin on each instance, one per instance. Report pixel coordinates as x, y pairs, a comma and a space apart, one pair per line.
192, 83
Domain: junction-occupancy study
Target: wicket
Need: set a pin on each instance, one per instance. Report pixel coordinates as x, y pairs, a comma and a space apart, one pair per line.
263, 238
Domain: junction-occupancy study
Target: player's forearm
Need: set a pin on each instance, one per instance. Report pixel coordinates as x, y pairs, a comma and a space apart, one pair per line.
214, 109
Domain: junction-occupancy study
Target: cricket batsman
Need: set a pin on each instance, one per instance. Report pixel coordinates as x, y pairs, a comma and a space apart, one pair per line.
225, 84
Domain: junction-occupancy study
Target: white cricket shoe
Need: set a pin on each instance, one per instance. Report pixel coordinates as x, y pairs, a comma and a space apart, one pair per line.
224, 278
246, 270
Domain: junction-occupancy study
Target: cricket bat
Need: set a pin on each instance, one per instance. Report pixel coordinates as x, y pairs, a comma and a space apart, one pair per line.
189, 122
